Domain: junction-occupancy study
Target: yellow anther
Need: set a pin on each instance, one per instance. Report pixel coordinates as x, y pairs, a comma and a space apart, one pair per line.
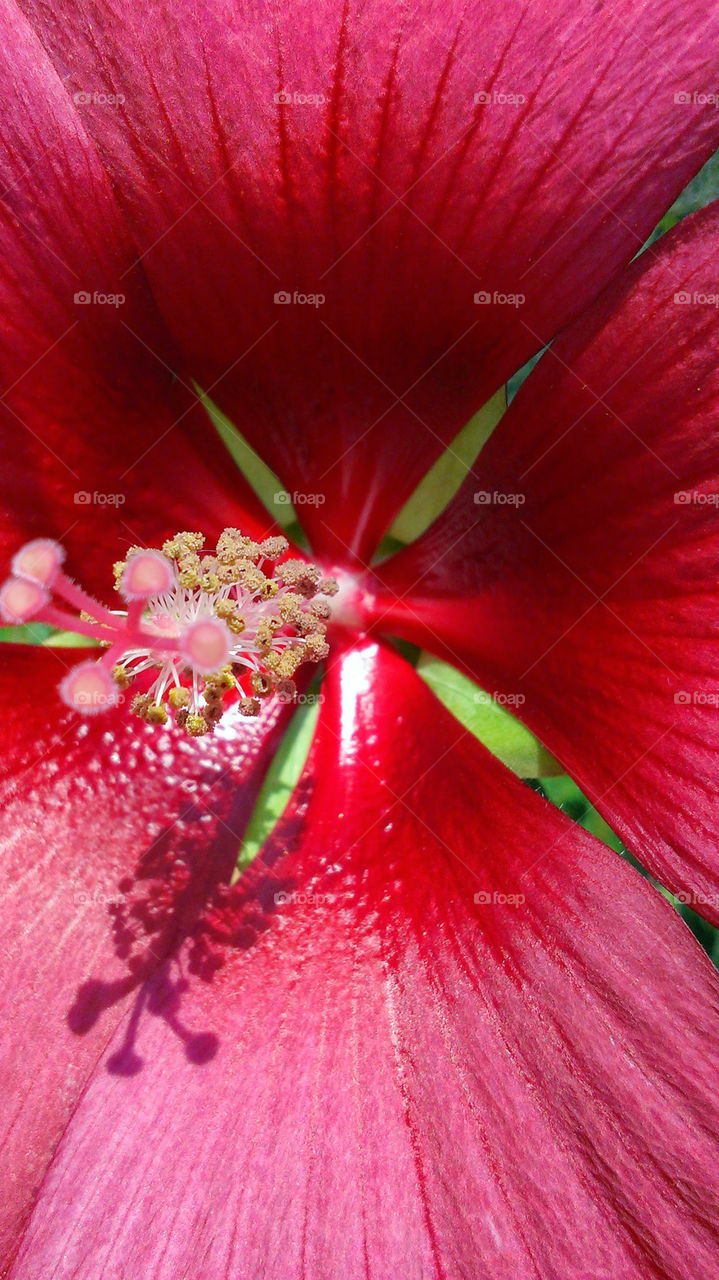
233, 545
261, 684
317, 647
151, 712
190, 541
252, 578
155, 714
264, 634
305, 578
227, 610
227, 573
289, 606
290, 662
271, 548
196, 725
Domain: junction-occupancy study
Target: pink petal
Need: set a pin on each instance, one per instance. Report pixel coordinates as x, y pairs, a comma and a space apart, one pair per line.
597, 599
103, 445
113, 838
387, 187
471, 1041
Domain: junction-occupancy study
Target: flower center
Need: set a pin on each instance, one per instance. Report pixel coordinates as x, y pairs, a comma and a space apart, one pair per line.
200, 628
349, 605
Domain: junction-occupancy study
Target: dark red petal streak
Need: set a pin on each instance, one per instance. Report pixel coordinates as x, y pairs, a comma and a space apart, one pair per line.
412, 1080
102, 442
340, 149
113, 837
597, 599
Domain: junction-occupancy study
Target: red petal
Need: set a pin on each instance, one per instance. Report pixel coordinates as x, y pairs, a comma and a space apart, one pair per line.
101, 444
412, 1080
114, 836
392, 192
597, 599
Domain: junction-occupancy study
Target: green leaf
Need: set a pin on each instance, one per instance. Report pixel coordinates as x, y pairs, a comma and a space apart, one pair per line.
702, 190
494, 725
282, 777
566, 795
41, 633
442, 481
29, 633
257, 474
69, 640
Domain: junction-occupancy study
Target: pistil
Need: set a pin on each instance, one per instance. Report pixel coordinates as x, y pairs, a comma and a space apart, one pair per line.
197, 630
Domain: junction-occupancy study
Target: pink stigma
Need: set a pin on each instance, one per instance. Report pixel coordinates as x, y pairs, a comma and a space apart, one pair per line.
206, 644
39, 561
21, 599
147, 574
89, 688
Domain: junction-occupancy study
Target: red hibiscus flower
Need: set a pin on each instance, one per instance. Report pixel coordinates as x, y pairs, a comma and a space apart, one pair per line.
434, 1030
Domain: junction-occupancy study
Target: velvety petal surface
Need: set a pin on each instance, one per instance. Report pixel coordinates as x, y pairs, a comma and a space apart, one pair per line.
578, 570
112, 838
103, 442
457, 1038
317, 192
